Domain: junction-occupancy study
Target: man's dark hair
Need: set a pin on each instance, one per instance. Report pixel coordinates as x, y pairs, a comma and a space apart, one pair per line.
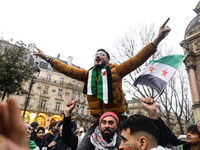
34, 124
41, 128
138, 123
193, 129
107, 54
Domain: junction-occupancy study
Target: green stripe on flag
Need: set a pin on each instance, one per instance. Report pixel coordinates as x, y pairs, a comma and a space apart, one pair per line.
100, 88
93, 81
170, 60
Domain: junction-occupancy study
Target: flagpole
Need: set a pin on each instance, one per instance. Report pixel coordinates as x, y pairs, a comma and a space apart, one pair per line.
173, 74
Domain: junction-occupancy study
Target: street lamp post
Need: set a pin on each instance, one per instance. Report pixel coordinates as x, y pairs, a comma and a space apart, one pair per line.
37, 69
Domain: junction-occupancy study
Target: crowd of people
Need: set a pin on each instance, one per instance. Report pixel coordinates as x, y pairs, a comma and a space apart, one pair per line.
112, 128
136, 132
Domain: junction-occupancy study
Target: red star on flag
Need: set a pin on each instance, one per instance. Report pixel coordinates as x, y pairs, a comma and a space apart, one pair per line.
151, 69
164, 73
104, 73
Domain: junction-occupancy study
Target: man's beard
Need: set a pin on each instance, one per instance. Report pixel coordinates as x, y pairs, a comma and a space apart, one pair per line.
107, 136
99, 66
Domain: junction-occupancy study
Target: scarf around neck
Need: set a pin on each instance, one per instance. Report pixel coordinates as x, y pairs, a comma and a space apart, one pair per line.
103, 89
100, 144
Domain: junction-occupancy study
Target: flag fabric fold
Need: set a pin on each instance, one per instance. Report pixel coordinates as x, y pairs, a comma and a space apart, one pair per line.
159, 72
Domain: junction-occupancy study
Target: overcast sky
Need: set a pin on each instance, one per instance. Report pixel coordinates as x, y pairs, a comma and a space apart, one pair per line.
78, 28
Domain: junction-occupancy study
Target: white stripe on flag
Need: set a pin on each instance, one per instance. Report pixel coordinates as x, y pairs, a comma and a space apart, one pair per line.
158, 71
89, 90
105, 86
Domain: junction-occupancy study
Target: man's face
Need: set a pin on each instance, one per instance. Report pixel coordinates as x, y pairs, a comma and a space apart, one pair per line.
40, 134
128, 141
101, 59
192, 138
108, 127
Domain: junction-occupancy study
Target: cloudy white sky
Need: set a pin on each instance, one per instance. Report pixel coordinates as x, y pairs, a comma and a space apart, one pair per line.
78, 28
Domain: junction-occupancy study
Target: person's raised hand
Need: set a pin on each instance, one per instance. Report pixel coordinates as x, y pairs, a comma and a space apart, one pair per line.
40, 53
150, 106
163, 32
70, 105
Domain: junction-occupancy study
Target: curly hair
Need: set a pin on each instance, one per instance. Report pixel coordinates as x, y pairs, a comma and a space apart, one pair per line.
193, 129
138, 123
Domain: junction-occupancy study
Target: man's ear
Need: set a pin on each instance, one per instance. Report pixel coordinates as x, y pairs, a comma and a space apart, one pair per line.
143, 143
108, 60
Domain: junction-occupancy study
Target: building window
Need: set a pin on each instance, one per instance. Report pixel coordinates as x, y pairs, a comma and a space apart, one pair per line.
78, 98
79, 85
73, 95
77, 108
57, 106
88, 111
83, 98
60, 92
82, 111
61, 81
46, 89
43, 104
48, 78
74, 82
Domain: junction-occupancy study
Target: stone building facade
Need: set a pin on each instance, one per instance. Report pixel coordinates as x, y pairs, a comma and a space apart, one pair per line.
191, 42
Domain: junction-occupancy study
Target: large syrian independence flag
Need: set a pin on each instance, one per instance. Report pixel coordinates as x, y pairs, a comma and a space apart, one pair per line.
159, 72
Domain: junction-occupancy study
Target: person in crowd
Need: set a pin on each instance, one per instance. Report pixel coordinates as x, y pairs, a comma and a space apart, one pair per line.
103, 73
73, 141
34, 126
39, 139
73, 127
104, 136
166, 137
50, 135
192, 141
60, 145
77, 130
138, 132
81, 133
31, 143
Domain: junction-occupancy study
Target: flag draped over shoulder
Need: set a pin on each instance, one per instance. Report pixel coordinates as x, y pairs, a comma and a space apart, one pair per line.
159, 72
103, 87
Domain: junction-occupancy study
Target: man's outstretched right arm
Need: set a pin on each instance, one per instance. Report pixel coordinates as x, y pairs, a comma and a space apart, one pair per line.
76, 73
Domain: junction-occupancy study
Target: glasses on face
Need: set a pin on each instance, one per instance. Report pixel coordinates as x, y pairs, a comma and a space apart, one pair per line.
99, 54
